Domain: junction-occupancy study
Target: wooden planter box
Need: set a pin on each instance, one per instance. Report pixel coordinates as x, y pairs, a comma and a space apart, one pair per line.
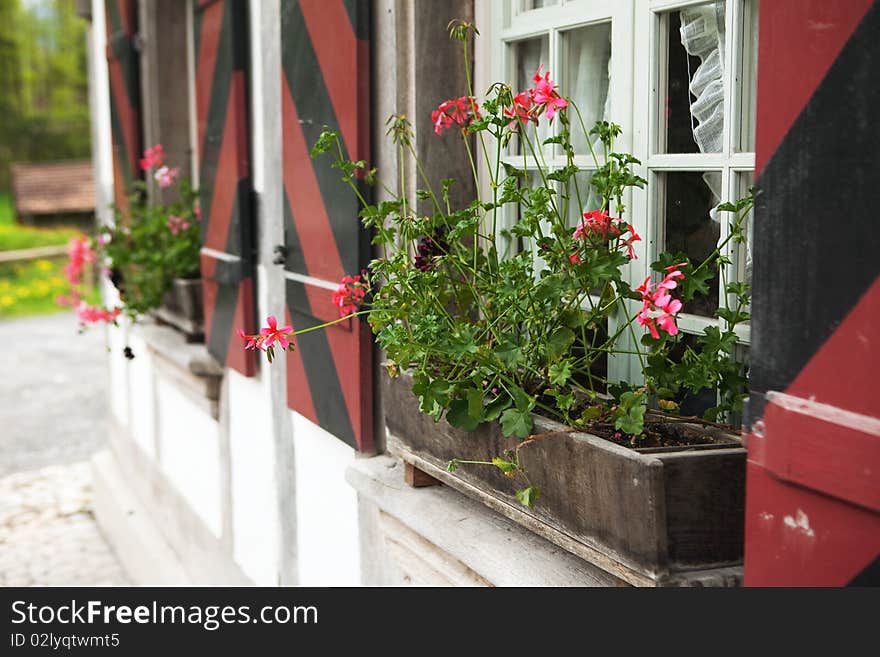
652, 517
182, 308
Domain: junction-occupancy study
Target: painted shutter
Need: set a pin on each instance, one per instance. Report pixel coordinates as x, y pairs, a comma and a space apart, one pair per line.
125, 117
325, 57
224, 179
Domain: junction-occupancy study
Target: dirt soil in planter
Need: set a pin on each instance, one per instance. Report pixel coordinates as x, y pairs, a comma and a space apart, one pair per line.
662, 433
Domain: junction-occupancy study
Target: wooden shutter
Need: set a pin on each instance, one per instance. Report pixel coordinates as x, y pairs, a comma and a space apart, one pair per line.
125, 117
224, 179
325, 58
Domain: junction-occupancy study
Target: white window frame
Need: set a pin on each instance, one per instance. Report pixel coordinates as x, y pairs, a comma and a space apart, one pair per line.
636, 76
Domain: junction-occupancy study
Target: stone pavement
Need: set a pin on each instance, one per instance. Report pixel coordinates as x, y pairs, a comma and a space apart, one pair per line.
52, 419
48, 535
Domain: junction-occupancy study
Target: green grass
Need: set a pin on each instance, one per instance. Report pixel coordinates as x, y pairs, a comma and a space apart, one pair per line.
6, 214
31, 287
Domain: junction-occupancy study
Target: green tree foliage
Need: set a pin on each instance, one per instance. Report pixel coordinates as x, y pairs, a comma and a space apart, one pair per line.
44, 82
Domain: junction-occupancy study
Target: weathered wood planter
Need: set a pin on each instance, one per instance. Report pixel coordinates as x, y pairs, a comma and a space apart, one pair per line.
182, 308
652, 517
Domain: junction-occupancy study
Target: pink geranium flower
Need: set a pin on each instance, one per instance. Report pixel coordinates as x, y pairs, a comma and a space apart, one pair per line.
545, 94
79, 252
659, 309
349, 295
272, 333
88, 314
166, 176
153, 157
521, 111
177, 224
461, 111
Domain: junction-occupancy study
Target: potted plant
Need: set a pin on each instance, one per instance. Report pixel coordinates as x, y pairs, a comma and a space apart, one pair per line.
151, 253
495, 354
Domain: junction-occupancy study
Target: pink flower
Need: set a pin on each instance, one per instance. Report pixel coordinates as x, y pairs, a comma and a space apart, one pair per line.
153, 157
198, 213
272, 333
166, 176
349, 295
92, 314
545, 94
596, 223
252, 341
79, 252
658, 307
177, 224
521, 111
461, 110
628, 242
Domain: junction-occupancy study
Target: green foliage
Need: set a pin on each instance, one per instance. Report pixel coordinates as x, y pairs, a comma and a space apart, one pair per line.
144, 254
491, 333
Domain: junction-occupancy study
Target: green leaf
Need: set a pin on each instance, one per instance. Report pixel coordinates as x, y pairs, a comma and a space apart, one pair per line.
452, 466
475, 403
559, 343
508, 352
507, 467
559, 373
458, 416
496, 407
515, 422
528, 496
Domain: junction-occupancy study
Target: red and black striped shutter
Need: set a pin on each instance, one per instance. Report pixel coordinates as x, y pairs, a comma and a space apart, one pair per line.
813, 477
326, 68
125, 116
224, 179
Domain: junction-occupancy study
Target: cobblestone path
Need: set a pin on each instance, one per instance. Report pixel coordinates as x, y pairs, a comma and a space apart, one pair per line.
52, 407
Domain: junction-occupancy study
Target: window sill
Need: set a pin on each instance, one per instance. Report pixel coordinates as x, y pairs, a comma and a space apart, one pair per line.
451, 528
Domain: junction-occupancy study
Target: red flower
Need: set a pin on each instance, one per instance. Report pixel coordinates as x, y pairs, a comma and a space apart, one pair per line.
596, 223
92, 314
153, 157
349, 295
461, 110
628, 242
521, 111
79, 252
272, 333
546, 95
659, 309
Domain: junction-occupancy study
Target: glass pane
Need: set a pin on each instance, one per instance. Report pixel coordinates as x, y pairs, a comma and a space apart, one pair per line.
743, 252
692, 108
747, 79
582, 198
528, 55
688, 198
586, 73
528, 5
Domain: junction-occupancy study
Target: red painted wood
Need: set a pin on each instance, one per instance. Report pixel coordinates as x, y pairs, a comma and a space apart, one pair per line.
798, 537
797, 42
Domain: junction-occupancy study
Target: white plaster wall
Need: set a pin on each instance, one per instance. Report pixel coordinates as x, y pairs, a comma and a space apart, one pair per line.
142, 406
254, 499
189, 452
326, 508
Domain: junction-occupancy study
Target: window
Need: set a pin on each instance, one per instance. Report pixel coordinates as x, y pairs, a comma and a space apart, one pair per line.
679, 77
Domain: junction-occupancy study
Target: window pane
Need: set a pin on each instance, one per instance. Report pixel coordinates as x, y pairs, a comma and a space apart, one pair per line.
585, 76
589, 200
747, 79
527, 56
692, 108
528, 5
687, 198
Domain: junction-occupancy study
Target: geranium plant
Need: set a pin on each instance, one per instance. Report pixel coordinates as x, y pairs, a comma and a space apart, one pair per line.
149, 245
492, 333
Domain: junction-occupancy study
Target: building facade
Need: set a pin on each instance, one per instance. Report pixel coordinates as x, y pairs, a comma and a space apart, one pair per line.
224, 469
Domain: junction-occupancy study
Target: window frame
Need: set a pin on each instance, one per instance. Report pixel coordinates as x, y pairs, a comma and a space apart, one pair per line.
638, 57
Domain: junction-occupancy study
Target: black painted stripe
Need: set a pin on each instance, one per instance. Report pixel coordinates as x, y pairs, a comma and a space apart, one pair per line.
816, 232
869, 576
315, 110
321, 376
359, 15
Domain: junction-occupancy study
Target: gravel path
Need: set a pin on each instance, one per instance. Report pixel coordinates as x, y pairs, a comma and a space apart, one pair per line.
53, 405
